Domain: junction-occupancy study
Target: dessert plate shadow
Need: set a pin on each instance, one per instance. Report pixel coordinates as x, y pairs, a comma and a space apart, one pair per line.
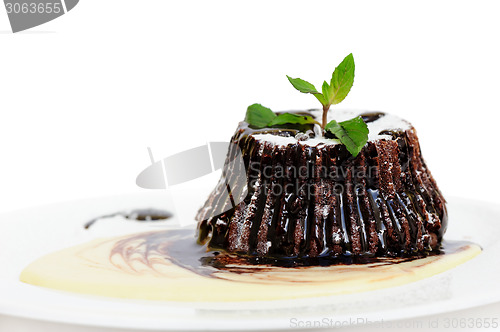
26, 235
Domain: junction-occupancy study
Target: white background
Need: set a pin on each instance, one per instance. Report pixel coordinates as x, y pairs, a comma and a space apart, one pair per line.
83, 96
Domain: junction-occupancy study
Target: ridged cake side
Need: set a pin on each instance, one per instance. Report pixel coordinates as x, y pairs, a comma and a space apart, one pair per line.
384, 202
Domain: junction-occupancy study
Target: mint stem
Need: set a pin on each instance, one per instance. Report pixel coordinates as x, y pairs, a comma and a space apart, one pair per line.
325, 114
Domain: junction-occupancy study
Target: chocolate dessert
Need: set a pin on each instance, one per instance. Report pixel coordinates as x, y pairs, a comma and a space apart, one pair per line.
305, 196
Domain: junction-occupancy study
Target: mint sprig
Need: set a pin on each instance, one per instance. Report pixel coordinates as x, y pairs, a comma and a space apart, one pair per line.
352, 133
259, 117
333, 93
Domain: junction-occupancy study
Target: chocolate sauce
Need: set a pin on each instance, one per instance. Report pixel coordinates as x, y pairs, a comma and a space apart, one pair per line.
140, 215
371, 116
178, 247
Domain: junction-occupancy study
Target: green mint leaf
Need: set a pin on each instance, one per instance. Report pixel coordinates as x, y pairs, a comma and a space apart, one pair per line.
302, 86
286, 118
352, 133
327, 93
342, 79
259, 116
321, 99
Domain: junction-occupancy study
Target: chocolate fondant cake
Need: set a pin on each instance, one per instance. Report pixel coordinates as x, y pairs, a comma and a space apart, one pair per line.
306, 196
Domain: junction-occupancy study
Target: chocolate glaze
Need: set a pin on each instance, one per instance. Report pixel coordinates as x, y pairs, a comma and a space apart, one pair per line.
390, 204
141, 215
371, 116
176, 246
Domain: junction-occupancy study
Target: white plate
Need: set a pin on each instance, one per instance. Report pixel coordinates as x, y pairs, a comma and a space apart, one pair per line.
28, 234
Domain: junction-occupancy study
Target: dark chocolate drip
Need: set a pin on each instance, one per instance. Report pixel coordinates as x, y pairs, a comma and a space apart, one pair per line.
153, 249
275, 213
266, 161
140, 215
347, 245
371, 116
375, 202
352, 217
299, 205
311, 236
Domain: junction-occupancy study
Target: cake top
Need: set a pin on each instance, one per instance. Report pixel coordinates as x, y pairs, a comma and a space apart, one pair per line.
379, 125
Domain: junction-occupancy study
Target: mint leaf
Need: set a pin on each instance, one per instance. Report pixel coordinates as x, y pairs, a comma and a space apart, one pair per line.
259, 116
352, 133
340, 85
327, 93
302, 86
342, 79
286, 118
321, 99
